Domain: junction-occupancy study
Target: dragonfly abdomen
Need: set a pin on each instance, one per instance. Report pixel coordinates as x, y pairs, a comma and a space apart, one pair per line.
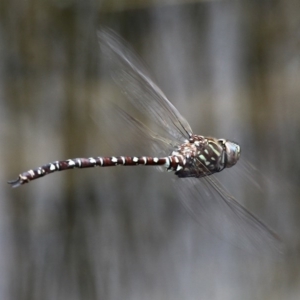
171, 163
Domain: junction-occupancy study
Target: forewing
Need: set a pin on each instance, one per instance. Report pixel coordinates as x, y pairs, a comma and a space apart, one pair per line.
141, 91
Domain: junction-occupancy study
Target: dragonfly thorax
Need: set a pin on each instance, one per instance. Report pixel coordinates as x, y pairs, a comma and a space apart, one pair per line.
204, 156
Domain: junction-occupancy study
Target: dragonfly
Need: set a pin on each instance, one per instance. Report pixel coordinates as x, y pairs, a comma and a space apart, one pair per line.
193, 158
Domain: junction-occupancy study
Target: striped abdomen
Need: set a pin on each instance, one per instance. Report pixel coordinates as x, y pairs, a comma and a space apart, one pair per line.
172, 163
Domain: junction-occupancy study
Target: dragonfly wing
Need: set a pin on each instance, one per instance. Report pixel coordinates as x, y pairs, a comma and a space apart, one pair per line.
219, 213
141, 91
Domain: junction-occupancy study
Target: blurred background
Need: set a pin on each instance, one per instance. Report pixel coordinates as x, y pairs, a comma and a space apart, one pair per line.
232, 68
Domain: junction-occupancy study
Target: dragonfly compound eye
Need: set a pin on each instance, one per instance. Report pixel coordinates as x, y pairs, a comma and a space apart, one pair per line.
233, 152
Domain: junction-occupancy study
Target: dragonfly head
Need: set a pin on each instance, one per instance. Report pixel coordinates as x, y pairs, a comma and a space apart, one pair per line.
232, 152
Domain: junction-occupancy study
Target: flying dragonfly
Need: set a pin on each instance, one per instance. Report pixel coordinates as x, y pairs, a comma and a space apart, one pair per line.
193, 158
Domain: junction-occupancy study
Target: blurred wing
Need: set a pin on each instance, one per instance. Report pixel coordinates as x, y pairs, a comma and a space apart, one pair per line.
219, 213
216, 210
134, 80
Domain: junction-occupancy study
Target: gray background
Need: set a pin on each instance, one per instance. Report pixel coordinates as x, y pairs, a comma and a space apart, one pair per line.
232, 68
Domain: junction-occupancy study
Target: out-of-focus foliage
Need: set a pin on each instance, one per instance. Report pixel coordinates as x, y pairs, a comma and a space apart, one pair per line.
232, 68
